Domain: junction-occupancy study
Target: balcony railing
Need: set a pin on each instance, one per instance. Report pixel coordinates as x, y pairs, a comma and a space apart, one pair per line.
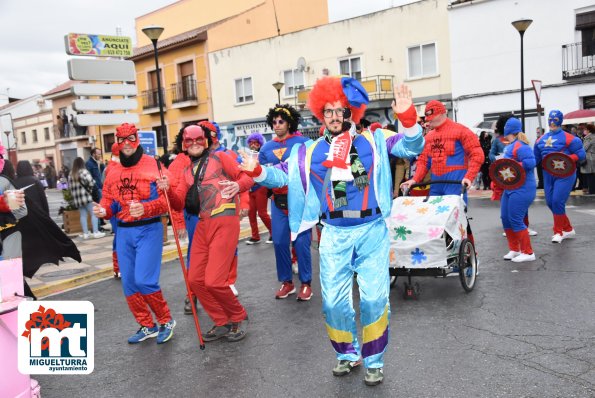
379, 87
69, 130
578, 60
183, 91
151, 98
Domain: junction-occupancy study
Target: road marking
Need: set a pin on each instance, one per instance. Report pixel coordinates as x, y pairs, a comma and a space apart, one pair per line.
590, 212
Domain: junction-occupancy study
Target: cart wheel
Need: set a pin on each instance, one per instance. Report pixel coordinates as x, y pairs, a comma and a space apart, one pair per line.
393, 281
467, 265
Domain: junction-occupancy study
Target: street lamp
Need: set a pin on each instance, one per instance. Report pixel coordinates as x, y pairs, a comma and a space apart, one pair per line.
521, 26
153, 32
278, 86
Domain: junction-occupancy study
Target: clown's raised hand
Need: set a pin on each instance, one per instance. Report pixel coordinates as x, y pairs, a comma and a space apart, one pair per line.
403, 106
403, 98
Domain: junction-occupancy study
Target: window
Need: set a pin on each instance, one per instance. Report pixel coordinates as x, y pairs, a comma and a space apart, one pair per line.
23, 137
34, 135
244, 90
294, 80
351, 67
585, 23
46, 133
422, 60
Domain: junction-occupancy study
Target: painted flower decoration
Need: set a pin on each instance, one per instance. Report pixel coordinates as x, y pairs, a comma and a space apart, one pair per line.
401, 232
417, 256
435, 232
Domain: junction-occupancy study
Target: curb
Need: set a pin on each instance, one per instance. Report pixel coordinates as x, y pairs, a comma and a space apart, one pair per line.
106, 273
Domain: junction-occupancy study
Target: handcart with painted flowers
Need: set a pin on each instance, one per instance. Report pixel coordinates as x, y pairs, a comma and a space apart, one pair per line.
429, 238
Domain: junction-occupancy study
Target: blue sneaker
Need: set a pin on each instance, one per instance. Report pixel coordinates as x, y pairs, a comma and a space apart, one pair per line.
166, 332
143, 334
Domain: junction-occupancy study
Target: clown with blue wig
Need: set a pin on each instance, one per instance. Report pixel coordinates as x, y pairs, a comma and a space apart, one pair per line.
344, 179
557, 187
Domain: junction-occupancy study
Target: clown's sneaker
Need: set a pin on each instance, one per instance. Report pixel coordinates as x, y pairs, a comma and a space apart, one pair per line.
166, 332
344, 367
568, 234
374, 376
142, 334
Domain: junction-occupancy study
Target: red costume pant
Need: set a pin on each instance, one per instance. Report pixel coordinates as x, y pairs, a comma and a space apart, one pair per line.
258, 204
213, 250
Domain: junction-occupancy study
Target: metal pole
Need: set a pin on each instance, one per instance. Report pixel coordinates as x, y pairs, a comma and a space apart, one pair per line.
160, 98
279, 97
522, 85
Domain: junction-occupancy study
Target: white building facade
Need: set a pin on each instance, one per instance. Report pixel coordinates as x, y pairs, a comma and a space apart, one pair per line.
485, 56
379, 49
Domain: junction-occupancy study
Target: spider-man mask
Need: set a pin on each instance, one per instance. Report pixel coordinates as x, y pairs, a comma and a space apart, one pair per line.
194, 134
127, 133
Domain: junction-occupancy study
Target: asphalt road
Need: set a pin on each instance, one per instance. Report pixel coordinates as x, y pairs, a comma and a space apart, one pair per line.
526, 330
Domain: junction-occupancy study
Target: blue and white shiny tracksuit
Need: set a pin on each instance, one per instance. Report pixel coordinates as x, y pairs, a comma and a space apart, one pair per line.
365, 239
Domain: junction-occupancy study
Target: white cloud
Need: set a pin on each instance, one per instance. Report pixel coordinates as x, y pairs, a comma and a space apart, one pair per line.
32, 43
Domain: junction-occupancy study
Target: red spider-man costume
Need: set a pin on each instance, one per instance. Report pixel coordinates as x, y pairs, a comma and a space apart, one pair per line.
139, 238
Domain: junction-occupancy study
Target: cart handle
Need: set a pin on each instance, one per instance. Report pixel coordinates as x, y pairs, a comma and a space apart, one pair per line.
422, 184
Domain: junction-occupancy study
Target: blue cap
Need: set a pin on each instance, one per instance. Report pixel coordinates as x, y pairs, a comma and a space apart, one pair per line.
556, 117
513, 126
354, 91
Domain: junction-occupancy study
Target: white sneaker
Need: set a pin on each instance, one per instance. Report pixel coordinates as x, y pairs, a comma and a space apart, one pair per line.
84, 236
294, 267
98, 235
511, 254
569, 234
504, 234
234, 290
557, 238
532, 232
523, 257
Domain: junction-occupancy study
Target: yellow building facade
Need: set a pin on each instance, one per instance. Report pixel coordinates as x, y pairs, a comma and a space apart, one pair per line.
184, 81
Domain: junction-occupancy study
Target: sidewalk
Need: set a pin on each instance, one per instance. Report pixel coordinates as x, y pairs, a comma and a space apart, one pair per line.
97, 262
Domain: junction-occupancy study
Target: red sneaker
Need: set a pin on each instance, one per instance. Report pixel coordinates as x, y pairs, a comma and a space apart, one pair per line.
305, 293
286, 289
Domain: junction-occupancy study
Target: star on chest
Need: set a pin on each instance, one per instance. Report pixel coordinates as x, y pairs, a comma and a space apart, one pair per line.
549, 143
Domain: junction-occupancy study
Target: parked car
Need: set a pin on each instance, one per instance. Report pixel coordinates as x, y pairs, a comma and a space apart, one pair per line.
489, 126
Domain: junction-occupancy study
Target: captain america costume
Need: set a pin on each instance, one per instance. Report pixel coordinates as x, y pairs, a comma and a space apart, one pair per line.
557, 189
273, 153
514, 203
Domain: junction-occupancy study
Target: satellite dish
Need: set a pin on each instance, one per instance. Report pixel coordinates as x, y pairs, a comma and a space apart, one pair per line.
301, 64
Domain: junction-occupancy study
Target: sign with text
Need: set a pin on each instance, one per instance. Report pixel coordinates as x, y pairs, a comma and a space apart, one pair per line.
249, 128
98, 45
148, 140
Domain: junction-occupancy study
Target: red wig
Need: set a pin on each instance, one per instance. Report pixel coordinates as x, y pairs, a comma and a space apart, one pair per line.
328, 90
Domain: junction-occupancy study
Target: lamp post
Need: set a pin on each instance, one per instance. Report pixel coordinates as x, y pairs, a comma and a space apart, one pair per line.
278, 86
521, 26
153, 32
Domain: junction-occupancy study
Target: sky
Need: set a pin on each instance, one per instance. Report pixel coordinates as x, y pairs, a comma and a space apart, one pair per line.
32, 54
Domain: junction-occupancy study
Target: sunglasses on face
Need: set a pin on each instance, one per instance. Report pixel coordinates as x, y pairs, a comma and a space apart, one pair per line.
279, 121
131, 138
189, 141
329, 112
